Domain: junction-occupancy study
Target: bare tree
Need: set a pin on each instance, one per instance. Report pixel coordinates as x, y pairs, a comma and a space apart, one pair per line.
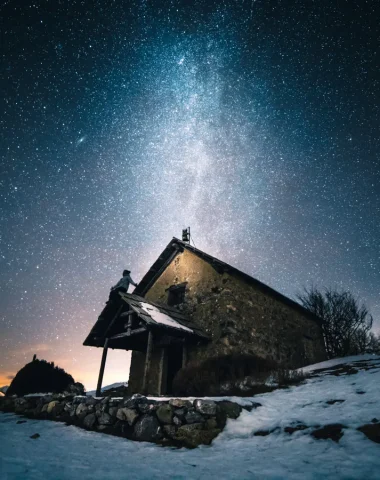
346, 324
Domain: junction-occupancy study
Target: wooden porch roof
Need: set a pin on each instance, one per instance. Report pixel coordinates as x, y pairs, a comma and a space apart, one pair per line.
165, 321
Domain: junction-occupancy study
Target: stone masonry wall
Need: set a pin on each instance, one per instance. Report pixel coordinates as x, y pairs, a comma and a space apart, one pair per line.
175, 422
238, 316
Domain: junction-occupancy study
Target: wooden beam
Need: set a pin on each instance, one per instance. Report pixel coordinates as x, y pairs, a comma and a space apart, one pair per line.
126, 334
101, 371
147, 360
113, 320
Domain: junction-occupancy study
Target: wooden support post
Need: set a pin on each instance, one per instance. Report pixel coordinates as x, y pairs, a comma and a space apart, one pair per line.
184, 355
105, 350
147, 360
129, 325
101, 371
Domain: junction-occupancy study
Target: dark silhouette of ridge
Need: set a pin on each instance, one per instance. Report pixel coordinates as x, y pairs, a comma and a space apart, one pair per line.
39, 376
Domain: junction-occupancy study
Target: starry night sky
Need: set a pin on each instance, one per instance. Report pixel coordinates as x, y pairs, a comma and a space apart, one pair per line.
254, 122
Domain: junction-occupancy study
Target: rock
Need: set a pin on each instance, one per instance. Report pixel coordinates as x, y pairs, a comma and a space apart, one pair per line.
146, 407
169, 431
333, 432
177, 421
165, 413
211, 423
140, 398
194, 417
375, 420
113, 411
68, 407
20, 421
44, 408
89, 421
205, 407
81, 410
147, 429
129, 415
179, 403
79, 399
128, 402
295, 428
35, 435
192, 435
251, 407
180, 413
371, 431
231, 409
58, 409
91, 401
106, 419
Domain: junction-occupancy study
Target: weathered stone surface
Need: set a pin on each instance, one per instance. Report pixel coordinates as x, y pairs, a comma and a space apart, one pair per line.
165, 413
81, 410
180, 403
51, 405
180, 413
35, 435
146, 407
91, 401
113, 411
106, 419
231, 409
147, 429
169, 431
191, 437
205, 407
128, 415
90, 420
44, 408
193, 417
211, 423
177, 421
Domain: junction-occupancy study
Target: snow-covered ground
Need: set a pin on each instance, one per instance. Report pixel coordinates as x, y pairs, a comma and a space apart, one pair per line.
66, 452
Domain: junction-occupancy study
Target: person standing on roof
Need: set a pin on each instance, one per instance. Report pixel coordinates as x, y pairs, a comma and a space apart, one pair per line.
122, 285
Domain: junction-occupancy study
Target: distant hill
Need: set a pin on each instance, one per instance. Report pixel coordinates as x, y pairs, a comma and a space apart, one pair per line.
118, 385
39, 376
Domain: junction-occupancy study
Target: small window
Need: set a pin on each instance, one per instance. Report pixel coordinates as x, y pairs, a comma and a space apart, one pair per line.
176, 294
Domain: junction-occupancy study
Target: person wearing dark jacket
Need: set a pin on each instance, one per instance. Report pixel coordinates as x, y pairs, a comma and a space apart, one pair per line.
122, 285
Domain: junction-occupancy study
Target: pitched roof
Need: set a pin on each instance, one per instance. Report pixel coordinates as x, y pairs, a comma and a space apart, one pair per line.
161, 318
176, 246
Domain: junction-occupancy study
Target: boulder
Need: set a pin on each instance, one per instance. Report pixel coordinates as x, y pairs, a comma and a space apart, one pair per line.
113, 411
192, 435
146, 407
81, 410
205, 407
106, 419
147, 429
194, 417
180, 403
231, 409
177, 421
211, 423
180, 413
89, 421
165, 413
169, 431
129, 415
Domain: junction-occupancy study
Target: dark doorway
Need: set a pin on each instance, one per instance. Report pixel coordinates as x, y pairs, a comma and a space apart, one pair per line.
174, 363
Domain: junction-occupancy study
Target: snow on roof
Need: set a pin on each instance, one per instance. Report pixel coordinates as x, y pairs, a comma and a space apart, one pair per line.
162, 318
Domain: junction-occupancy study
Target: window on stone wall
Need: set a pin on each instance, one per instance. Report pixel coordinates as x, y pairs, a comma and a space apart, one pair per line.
176, 294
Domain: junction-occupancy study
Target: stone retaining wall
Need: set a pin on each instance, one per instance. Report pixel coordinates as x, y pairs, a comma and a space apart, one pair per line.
175, 422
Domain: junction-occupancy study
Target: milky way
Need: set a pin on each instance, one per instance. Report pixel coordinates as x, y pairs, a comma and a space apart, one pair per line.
255, 123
